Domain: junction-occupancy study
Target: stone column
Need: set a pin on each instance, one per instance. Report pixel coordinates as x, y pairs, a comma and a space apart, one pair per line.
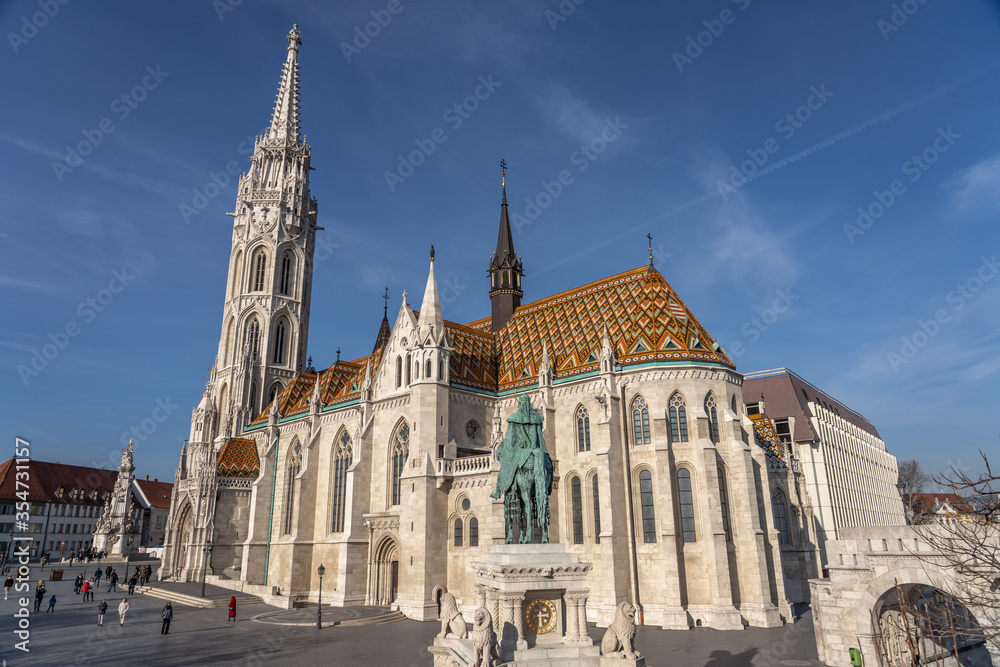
493, 604
517, 600
572, 635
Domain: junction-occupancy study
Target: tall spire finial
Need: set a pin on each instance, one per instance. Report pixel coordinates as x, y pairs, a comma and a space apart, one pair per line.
285, 119
385, 308
650, 237
432, 252
503, 174
338, 353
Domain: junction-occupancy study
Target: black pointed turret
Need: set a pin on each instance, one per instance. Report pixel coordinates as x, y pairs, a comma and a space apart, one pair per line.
505, 271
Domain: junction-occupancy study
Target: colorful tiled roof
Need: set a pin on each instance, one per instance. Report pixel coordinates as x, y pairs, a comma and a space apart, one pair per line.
472, 361
764, 436
238, 458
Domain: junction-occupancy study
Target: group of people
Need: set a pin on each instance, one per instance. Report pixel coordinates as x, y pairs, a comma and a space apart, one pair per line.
139, 577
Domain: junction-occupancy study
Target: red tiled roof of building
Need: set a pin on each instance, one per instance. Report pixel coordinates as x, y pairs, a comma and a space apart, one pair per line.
57, 483
238, 458
157, 493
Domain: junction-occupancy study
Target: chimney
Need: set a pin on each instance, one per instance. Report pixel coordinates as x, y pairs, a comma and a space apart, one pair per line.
147, 478
154, 479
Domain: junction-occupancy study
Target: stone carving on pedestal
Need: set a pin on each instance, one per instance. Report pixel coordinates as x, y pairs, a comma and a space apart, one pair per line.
486, 652
452, 622
619, 640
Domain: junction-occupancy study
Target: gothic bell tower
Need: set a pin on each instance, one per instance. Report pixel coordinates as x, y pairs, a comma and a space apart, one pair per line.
266, 316
505, 267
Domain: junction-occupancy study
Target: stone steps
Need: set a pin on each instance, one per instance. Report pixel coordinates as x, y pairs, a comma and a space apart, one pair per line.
195, 601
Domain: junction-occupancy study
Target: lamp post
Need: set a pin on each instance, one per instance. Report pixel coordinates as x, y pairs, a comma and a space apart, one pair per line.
901, 487
319, 609
205, 550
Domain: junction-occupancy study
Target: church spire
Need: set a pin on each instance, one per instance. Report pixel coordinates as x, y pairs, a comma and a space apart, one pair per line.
431, 319
384, 330
284, 126
505, 266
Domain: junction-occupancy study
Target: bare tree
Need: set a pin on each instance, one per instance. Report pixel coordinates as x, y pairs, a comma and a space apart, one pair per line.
913, 480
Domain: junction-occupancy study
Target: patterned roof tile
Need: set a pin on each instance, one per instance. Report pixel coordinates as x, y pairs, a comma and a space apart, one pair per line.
238, 458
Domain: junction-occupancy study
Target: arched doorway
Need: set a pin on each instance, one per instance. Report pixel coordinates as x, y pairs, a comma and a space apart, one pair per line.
182, 539
383, 584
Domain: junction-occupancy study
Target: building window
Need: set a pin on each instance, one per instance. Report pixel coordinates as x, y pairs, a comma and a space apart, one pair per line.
341, 462
458, 532
577, 510
780, 517
724, 505
280, 338
597, 512
678, 419
294, 467
640, 421
253, 337
399, 372
275, 390
648, 508
783, 430
429, 370
473, 532
732, 404
686, 501
409, 366
285, 284
582, 429
713, 418
259, 269
400, 447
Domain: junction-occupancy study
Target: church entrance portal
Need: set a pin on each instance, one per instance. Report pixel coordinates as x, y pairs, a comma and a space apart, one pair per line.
383, 580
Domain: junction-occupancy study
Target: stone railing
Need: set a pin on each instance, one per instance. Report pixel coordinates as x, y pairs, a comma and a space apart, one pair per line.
469, 465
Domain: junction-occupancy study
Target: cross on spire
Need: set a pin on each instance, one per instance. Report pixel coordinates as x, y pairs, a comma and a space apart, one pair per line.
650, 237
385, 308
338, 353
503, 173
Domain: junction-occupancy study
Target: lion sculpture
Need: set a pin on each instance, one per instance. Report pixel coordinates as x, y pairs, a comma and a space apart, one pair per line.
484, 639
618, 640
452, 623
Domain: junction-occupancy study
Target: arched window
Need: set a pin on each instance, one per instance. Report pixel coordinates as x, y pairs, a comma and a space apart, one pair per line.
780, 517
399, 372
685, 500
259, 271
253, 399
341, 462
577, 510
294, 467
732, 404
400, 448
473, 532
429, 374
280, 342
640, 421
237, 276
458, 532
713, 418
285, 284
582, 429
724, 505
648, 507
227, 359
678, 419
409, 366
253, 337
441, 369
274, 391
597, 511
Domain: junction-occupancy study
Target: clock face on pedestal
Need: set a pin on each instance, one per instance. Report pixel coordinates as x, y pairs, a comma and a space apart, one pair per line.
540, 616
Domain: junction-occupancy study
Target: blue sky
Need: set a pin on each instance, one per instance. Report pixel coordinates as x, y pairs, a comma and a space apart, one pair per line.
895, 314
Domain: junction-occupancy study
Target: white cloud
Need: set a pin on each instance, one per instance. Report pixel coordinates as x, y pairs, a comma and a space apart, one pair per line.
975, 190
572, 115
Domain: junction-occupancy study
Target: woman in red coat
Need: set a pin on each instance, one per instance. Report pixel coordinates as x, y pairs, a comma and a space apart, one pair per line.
232, 610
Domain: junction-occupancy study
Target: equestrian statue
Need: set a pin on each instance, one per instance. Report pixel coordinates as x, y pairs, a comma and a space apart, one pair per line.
525, 476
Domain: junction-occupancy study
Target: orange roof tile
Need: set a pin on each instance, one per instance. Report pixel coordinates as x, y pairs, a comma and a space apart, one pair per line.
238, 458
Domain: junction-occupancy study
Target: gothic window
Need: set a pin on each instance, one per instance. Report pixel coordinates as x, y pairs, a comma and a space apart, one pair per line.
473, 532
780, 517
458, 532
440, 370
236, 278
597, 511
400, 448
724, 505
640, 421
577, 510
582, 429
399, 371
259, 271
253, 398
678, 419
732, 404
253, 337
686, 501
429, 372
275, 390
280, 342
287, 265
409, 366
648, 508
341, 462
713, 418
229, 343
294, 467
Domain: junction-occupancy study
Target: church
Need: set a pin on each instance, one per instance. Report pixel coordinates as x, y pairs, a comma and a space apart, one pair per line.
381, 468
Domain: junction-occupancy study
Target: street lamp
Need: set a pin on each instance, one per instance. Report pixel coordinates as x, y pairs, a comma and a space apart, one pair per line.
319, 609
901, 487
205, 550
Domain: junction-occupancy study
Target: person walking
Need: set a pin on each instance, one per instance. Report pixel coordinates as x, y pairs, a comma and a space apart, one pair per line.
97, 576
52, 605
39, 595
78, 583
113, 580
108, 570
122, 610
131, 584
232, 609
102, 609
86, 590
168, 615
7, 585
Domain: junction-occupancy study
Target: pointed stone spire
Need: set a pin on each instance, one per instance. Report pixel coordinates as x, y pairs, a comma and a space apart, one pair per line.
431, 320
544, 367
607, 352
505, 266
285, 119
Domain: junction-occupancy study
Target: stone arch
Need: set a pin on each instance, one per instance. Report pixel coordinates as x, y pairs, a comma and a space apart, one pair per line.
183, 536
383, 584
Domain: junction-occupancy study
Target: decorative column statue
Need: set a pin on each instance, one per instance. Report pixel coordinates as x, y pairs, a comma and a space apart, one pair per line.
525, 477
